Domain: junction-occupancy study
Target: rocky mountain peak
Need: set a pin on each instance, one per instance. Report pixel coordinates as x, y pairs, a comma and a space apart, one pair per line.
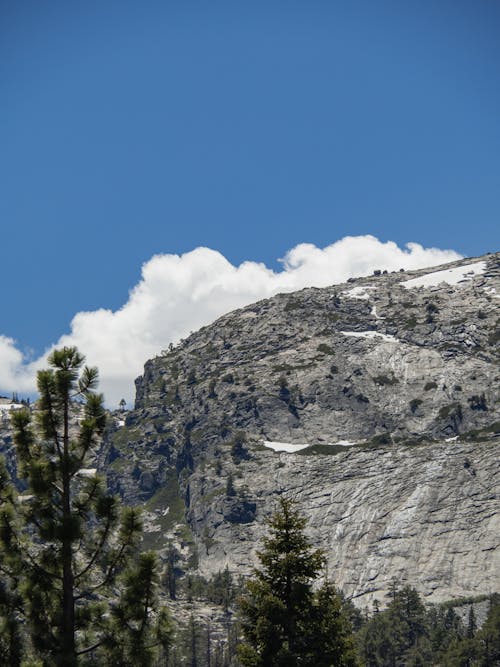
374, 403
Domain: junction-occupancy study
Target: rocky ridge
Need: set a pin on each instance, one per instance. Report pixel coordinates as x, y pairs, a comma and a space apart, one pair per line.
403, 366
385, 391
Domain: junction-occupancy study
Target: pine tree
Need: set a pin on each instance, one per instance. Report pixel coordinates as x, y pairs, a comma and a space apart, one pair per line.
63, 543
133, 635
283, 621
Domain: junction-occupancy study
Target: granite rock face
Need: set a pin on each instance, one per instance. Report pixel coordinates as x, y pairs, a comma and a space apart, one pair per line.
404, 366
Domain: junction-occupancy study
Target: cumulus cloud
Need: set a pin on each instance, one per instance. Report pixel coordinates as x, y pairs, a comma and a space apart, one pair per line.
180, 293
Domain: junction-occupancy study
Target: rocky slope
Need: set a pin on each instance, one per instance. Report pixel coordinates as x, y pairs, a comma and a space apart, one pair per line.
403, 366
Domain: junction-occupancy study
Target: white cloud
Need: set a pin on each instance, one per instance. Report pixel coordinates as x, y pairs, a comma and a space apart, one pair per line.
179, 294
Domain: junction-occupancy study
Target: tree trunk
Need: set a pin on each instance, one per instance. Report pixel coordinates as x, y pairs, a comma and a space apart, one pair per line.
68, 650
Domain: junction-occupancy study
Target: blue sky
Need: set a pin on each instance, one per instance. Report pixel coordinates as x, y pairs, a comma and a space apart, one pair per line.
132, 129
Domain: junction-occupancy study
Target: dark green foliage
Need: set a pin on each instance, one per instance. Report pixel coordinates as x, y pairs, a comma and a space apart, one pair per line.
283, 621
452, 412
478, 403
133, 634
230, 490
415, 403
406, 633
398, 635
11, 646
325, 349
170, 573
220, 589
211, 389
284, 390
431, 310
238, 449
381, 439
64, 543
289, 396
384, 380
430, 385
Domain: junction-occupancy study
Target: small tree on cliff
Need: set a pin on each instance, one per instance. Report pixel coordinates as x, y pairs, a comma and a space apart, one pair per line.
284, 622
63, 543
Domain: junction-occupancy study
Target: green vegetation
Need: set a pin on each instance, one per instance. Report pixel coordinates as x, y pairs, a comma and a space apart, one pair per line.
325, 349
292, 304
385, 380
408, 633
430, 385
325, 450
168, 497
284, 622
238, 450
482, 433
415, 403
451, 411
69, 561
478, 402
494, 337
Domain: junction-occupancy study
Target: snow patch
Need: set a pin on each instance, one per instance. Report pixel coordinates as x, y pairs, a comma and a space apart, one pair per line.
359, 292
342, 443
284, 446
451, 276
370, 334
87, 472
11, 406
24, 497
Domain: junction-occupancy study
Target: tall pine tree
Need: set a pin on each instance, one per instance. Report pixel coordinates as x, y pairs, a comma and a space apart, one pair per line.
284, 622
64, 541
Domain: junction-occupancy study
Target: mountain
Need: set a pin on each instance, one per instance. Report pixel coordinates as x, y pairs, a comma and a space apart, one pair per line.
384, 393
374, 404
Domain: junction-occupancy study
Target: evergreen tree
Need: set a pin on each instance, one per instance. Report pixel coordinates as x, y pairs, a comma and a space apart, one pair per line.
133, 635
284, 622
398, 635
63, 543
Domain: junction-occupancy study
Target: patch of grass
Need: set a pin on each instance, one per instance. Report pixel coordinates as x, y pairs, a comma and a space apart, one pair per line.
119, 464
325, 349
482, 433
452, 410
125, 436
168, 496
325, 450
381, 439
384, 380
